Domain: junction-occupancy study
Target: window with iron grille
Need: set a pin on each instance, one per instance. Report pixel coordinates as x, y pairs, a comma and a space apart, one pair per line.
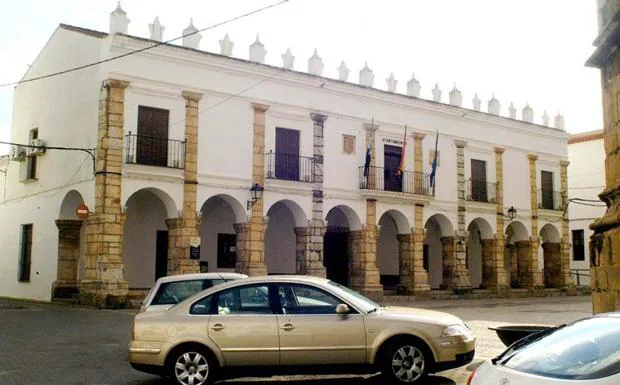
25, 254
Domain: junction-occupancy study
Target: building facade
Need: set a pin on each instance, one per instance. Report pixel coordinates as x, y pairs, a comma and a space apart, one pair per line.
586, 176
205, 161
604, 243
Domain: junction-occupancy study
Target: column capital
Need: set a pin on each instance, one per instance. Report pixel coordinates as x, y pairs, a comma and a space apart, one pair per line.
260, 107
532, 157
318, 117
192, 96
460, 143
564, 163
499, 150
418, 136
115, 83
371, 127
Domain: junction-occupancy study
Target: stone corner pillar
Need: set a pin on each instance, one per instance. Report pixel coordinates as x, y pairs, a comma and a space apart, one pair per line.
419, 182
567, 284
418, 281
180, 233
104, 283
309, 250
66, 283
364, 273
500, 281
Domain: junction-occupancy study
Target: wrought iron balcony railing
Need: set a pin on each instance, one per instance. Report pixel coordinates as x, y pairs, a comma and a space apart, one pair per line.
388, 179
480, 191
550, 200
154, 151
289, 167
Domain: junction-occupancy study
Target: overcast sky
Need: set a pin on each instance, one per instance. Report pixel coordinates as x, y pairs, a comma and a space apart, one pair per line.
523, 51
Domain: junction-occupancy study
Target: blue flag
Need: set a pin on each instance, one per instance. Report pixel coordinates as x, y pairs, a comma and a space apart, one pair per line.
434, 166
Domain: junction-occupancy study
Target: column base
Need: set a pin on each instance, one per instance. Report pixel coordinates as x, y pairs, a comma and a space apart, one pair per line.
185, 266
104, 294
374, 292
251, 269
422, 292
317, 270
501, 291
65, 289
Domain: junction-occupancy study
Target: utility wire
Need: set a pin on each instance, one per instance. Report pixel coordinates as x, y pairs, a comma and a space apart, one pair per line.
89, 151
145, 48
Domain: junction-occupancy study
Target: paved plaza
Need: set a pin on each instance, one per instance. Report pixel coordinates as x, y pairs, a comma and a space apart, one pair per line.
55, 344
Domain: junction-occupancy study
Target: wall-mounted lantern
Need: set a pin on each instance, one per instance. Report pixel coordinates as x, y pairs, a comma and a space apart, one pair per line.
512, 213
256, 193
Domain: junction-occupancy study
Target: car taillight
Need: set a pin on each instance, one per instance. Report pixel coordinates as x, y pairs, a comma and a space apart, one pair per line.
471, 377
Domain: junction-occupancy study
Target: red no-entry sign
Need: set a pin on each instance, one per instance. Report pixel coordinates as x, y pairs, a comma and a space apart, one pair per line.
82, 211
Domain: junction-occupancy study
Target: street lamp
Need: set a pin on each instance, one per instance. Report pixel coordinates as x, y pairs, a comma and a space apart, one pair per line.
257, 193
512, 213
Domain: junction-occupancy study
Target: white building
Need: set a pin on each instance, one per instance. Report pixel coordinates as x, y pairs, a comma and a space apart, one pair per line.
586, 179
181, 135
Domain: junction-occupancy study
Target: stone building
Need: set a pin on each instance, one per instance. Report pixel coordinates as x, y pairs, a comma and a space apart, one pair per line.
207, 161
605, 243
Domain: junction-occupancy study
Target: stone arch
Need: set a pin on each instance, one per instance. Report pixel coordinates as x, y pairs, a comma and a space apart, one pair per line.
517, 255
145, 236
400, 220
218, 238
347, 213
299, 216
166, 200
395, 229
552, 256
71, 239
285, 217
480, 253
69, 205
439, 231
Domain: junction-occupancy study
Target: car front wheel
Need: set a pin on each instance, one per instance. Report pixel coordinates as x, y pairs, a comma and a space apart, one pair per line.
191, 366
405, 363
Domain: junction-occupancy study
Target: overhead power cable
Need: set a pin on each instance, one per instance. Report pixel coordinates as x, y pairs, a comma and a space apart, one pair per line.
145, 48
89, 151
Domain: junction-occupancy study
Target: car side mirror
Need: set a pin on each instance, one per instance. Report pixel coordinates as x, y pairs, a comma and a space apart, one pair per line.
342, 309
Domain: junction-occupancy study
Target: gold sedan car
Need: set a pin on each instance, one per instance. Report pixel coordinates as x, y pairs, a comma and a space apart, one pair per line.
263, 326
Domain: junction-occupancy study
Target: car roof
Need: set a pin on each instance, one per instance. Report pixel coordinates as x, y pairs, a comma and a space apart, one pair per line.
189, 277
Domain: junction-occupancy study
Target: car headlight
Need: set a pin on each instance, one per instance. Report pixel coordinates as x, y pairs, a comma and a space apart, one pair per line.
460, 330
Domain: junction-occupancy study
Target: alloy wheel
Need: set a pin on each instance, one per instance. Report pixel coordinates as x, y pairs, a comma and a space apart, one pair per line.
191, 368
408, 364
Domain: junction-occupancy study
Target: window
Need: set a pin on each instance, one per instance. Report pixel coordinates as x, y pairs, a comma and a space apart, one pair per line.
578, 246
252, 299
478, 191
226, 251
171, 293
303, 299
25, 254
546, 188
202, 306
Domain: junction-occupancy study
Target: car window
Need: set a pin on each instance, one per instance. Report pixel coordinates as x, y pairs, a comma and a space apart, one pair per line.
171, 293
304, 299
202, 306
252, 299
587, 349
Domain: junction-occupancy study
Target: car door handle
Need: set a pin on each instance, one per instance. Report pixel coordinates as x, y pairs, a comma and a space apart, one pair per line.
217, 327
287, 327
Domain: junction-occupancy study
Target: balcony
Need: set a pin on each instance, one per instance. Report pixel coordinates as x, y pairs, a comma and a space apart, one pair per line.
289, 167
154, 151
550, 200
480, 191
408, 182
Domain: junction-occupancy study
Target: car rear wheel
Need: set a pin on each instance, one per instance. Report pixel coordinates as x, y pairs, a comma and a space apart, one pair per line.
191, 366
405, 362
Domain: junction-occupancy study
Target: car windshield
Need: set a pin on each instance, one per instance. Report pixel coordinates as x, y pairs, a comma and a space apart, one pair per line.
586, 349
366, 304
171, 293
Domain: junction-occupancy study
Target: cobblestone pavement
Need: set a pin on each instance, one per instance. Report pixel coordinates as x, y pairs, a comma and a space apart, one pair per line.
53, 344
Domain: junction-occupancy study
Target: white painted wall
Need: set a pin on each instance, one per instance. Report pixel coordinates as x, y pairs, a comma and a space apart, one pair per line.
387, 247
474, 259
217, 218
280, 241
435, 262
586, 179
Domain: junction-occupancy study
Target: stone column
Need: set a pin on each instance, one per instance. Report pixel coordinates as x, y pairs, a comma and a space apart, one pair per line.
448, 257
536, 276
68, 256
461, 281
365, 276
418, 164
489, 264
553, 264
371, 129
251, 235
182, 230
312, 243
104, 283
499, 276
524, 271
418, 281
405, 258
567, 282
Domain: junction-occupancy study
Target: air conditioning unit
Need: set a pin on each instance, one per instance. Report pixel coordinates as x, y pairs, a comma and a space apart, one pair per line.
17, 153
38, 149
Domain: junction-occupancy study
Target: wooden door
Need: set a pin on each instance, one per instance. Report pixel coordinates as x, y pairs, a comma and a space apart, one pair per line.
287, 154
161, 254
226, 251
393, 180
152, 140
479, 180
546, 182
336, 257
